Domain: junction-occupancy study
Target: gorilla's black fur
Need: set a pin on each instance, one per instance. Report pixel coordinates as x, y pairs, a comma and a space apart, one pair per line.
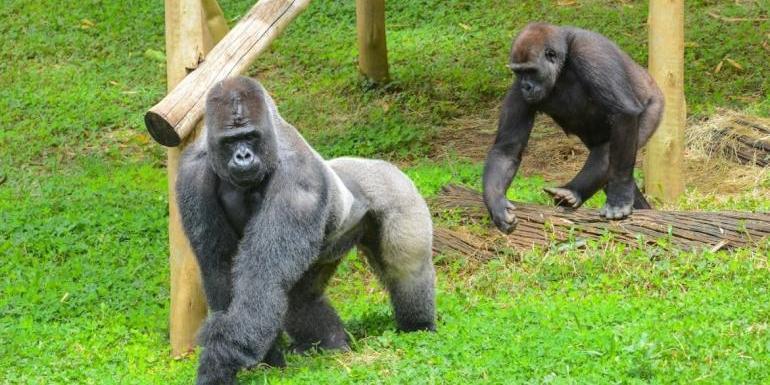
591, 89
269, 221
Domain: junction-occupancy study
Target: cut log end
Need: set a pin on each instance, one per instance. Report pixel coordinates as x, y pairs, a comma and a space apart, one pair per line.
161, 130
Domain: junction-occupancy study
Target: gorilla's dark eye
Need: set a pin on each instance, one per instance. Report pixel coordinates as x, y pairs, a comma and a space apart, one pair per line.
550, 55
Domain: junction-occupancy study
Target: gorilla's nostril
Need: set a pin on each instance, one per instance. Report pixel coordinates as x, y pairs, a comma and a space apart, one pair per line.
243, 157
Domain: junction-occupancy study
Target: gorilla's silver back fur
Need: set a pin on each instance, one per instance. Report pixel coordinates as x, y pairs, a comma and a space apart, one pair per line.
302, 220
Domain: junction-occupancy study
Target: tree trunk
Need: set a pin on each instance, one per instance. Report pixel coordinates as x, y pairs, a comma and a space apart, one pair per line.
664, 152
372, 49
546, 225
188, 39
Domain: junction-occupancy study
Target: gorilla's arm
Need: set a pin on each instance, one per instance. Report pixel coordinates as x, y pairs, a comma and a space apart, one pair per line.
514, 127
279, 244
211, 236
603, 69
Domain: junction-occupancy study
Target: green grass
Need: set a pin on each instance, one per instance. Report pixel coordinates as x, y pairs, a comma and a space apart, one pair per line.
83, 249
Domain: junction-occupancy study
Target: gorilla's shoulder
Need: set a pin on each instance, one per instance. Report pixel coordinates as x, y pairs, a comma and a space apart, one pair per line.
195, 153
194, 167
303, 190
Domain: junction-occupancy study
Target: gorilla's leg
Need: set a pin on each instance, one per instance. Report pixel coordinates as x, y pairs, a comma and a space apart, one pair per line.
399, 250
591, 178
649, 120
274, 356
268, 264
648, 123
640, 202
311, 321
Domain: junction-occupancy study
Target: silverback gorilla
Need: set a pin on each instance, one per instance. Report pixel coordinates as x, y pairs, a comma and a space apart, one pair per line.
593, 90
270, 220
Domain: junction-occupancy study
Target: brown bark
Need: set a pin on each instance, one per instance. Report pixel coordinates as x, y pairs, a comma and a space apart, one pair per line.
187, 40
174, 117
546, 225
664, 159
372, 48
743, 148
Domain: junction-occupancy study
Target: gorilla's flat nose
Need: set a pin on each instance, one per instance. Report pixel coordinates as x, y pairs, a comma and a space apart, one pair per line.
243, 157
526, 86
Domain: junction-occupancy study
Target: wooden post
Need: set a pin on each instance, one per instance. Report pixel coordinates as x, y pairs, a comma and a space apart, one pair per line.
188, 39
663, 161
174, 117
372, 49
215, 20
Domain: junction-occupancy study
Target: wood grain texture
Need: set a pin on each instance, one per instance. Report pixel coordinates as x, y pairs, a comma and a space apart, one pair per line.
372, 46
188, 39
663, 162
174, 117
547, 225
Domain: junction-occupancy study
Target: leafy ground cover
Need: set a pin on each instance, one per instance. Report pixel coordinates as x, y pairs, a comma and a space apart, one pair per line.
83, 251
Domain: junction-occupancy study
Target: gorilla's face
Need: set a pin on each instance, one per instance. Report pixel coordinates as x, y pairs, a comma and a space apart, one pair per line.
240, 134
537, 57
241, 155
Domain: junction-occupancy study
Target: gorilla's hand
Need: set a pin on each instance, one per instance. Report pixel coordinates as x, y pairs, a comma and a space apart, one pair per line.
503, 215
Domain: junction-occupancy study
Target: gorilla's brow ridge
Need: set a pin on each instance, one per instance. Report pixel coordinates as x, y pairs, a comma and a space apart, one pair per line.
237, 108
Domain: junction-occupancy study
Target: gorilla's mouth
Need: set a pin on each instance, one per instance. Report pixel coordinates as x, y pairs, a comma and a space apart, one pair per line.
247, 177
533, 96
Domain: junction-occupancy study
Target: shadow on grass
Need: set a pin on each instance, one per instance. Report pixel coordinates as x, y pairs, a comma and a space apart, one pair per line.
373, 323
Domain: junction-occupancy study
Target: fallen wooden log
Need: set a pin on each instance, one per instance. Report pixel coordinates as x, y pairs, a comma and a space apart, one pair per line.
446, 241
540, 225
174, 117
741, 138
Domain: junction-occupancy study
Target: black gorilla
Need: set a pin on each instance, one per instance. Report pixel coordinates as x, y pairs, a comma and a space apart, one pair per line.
269, 221
591, 89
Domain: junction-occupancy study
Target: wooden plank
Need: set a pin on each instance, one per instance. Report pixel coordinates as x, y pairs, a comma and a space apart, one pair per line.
187, 41
174, 117
372, 47
663, 163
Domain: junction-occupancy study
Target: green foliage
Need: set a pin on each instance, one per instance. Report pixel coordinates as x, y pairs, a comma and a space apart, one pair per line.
83, 246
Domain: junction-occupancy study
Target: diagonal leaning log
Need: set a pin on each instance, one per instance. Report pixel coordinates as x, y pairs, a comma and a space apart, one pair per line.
174, 117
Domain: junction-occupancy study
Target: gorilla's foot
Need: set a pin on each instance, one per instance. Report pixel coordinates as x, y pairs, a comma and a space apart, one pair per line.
274, 358
428, 326
302, 348
616, 212
337, 342
564, 197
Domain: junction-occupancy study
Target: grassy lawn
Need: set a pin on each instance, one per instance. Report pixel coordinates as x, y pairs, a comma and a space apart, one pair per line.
83, 244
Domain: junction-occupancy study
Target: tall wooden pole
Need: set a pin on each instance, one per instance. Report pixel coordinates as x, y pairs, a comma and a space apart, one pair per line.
188, 39
663, 162
215, 20
372, 49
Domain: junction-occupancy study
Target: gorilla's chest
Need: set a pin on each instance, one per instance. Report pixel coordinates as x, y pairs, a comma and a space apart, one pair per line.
238, 205
573, 108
